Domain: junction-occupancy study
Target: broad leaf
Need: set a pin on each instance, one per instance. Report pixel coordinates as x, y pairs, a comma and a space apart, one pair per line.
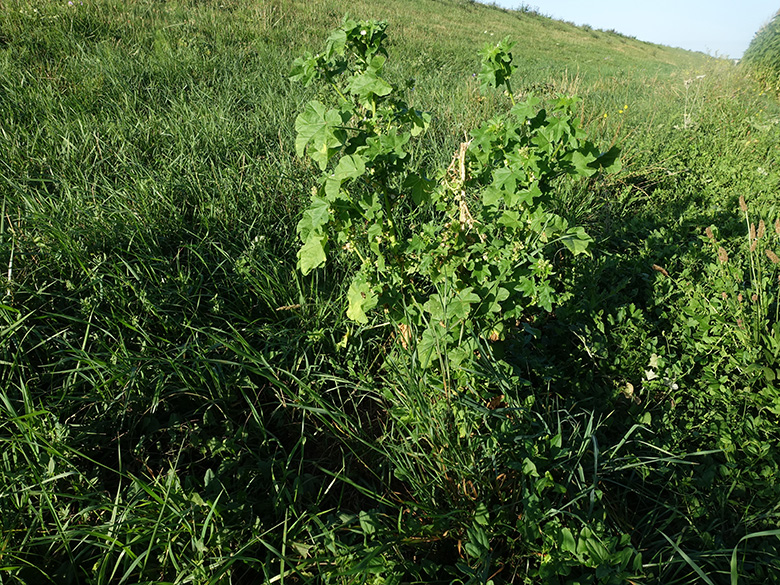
320, 130
304, 69
349, 167
492, 196
460, 306
369, 84
314, 218
361, 298
433, 340
312, 253
435, 306
610, 160
576, 240
418, 187
583, 163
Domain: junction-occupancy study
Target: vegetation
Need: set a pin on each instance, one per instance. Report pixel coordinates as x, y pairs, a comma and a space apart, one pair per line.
195, 390
761, 55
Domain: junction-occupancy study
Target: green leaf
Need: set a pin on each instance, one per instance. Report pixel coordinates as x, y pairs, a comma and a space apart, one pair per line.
368, 523
568, 544
481, 514
460, 306
505, 179
304, 69
374, 233
478, 544
459, 354
392, 142
496, 65
332, 188
336, 43
582, 163
527, 109
589, 548
435, 306
350, 167
510, 219
369, 84
361, 298
556, 128
419, 188
492, 197
769, 373
420, 121
610, 160
319, 130
312, 254
529, 468
524, 196
496, 298
314, 218
429, 345
576, 240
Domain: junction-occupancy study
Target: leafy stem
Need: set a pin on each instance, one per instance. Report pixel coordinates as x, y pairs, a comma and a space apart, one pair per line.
480, 262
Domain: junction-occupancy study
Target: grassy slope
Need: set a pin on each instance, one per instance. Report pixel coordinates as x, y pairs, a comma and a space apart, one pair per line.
150, 193
761, 55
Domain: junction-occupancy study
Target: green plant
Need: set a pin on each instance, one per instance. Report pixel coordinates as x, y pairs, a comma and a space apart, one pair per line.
732, 313
455, 258
761, 56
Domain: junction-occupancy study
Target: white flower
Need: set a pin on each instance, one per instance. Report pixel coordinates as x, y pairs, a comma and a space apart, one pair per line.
363, 33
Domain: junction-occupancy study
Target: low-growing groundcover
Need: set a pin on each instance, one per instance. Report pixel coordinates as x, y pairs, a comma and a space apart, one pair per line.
179, 403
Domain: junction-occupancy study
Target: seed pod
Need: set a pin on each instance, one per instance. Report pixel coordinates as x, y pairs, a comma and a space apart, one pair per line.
660, 269
722, 255
742, 204
709, 233
761, 229
772, 256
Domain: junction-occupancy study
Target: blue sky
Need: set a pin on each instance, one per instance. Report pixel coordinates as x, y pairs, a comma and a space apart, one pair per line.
722, 27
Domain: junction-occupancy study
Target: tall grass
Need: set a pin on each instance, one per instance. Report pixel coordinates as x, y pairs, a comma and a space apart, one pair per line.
761, 56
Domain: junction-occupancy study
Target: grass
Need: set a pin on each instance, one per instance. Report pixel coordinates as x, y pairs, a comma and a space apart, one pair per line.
179, 405
758, 57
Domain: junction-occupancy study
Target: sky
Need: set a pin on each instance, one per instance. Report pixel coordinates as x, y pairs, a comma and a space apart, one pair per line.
716, 27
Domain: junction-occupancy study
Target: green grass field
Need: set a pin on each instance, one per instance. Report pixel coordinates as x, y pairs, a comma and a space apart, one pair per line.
179, 404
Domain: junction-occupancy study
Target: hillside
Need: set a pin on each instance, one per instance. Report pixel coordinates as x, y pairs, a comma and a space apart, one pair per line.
761, 55
183, 400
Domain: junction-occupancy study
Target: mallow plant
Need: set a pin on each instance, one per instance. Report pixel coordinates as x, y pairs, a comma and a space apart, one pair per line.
455, 258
